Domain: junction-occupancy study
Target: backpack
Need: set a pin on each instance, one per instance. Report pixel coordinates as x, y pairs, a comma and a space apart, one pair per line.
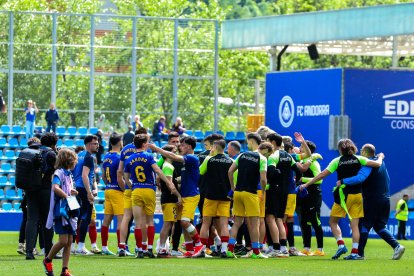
30, 168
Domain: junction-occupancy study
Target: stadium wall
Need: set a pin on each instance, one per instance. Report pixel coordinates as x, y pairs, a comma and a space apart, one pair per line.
380, 106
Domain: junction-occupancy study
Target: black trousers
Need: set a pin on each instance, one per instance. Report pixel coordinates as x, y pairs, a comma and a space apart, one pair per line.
401, 229
37, 212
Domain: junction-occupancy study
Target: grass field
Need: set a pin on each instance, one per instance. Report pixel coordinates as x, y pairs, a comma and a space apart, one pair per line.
378, 262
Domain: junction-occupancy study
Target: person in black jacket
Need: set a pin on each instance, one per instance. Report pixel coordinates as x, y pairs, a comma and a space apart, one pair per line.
38, 200
51, 117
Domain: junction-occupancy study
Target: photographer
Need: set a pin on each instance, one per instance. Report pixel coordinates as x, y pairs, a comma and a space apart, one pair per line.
38, 200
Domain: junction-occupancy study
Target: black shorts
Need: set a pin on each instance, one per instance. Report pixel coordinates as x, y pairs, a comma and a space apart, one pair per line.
276, 204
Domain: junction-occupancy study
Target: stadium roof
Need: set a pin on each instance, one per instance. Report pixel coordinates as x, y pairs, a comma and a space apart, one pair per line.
375, 31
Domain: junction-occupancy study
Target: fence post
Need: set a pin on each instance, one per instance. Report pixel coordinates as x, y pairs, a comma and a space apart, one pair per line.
134, 68
11, 70
92, 74
54, 62
216, 78
175, 76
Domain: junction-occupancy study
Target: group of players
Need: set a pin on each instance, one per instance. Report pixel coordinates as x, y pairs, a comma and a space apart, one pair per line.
255, 192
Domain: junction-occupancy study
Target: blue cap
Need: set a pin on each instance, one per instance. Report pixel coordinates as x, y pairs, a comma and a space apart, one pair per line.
302, 193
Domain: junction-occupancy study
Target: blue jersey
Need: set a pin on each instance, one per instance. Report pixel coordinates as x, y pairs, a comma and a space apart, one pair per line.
85, 159
126, 152
190, 174
110, 166
139, 165
31, 115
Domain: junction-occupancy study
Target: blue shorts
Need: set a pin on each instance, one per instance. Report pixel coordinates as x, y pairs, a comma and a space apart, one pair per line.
63, 230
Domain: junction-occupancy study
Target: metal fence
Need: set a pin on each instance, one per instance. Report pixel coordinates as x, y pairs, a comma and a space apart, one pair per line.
120, 66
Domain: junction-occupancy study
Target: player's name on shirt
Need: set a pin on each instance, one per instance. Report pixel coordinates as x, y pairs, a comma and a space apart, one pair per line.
108, 160
250, 158
348, 162
138, 159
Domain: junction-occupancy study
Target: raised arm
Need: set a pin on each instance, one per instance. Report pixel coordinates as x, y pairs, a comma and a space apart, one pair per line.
299, 138
167, 154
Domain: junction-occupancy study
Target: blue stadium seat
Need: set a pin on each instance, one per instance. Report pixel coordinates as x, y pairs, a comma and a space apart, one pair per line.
99, 208
59, 143
79, 143
105, 144
392, 214
93, 130
101, 195
7, 206
198, 148
83, 131
11, 195
10, 155
12, 181
6, 167
199, 135
60, 131
72, 131
23, 143
163, 143
411, 215
17, 130
220, 132
207, 133
37, 129
13, 143
3, 142
230, 136
3, 182
5, 129
69, 143
20, 194
16, 206
101, 185
240, 136
189, 132
2, 196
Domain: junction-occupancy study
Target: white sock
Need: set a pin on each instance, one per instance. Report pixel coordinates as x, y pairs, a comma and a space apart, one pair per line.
104, 248
93, 245
355, 245
73, 246
217, 240
81, 246
320, 249
224, 246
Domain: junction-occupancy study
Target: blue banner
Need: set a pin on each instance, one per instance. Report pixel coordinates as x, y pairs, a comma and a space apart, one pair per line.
302, 101
380, 104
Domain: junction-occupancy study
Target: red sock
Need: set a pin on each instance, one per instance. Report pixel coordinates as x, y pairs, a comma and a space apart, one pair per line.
93, 233
230, 247
144, 247
225, 239
138, 237
354, 251
256, 251
189, 246
204, 241
340, 242
210, 241
118, 236
122, 246
104, 235
151, 234
196, 238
